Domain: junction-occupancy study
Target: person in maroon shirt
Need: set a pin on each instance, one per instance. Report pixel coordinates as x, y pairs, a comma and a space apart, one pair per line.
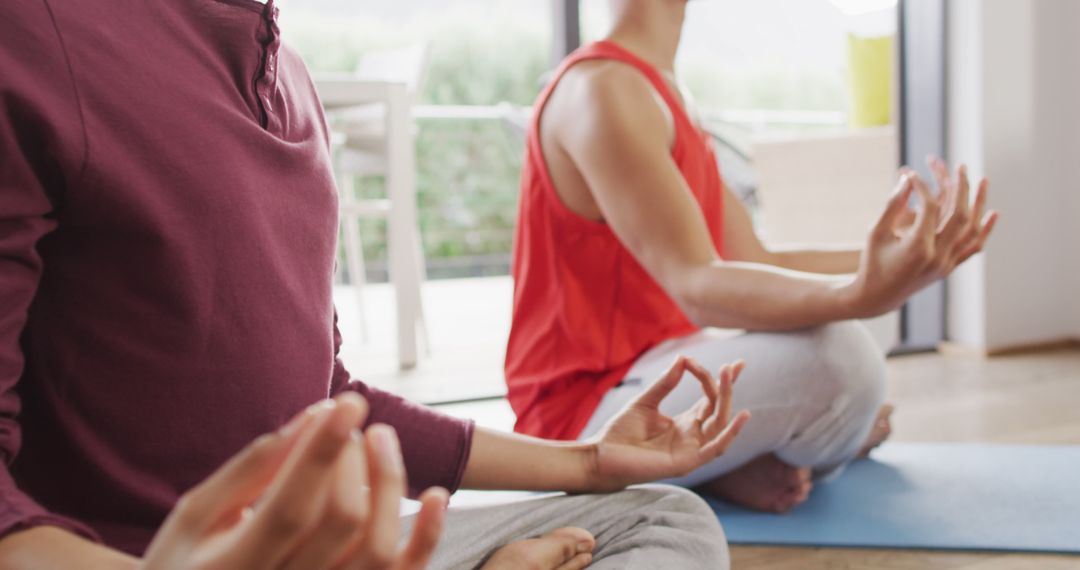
167, 243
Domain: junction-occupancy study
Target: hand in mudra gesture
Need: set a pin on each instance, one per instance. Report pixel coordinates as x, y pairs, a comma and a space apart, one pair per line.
319, 494
909, 249
642, 444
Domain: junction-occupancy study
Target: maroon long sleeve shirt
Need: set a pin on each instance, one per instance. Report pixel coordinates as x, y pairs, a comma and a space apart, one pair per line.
167, 241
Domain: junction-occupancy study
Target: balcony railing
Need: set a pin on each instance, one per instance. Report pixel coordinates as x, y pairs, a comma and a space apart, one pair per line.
468, 162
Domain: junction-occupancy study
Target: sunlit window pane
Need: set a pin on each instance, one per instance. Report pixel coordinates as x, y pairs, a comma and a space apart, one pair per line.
755, 54
483, 53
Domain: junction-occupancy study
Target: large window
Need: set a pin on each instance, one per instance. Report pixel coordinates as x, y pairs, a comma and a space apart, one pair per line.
752, 66
483, 54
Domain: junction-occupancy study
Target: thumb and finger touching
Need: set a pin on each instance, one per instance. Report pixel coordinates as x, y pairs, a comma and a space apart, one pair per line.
896, 209
660, 389
718, 428
940, 171
287, 509
708, 384
926, 218
253, 474
345, 508
386, 474
243, 478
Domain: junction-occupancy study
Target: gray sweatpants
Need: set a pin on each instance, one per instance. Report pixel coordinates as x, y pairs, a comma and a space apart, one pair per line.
651, 526
812, 394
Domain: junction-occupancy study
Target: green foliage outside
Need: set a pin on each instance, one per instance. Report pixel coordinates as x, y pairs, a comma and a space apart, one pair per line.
468, 170
467, 179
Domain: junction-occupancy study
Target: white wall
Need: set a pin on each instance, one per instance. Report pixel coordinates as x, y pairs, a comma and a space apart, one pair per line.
1014, 88
1071, 160
966, 308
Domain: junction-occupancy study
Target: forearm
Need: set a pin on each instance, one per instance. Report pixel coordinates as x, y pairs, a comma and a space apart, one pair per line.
762, 297
47, 548
831, 260
508, 461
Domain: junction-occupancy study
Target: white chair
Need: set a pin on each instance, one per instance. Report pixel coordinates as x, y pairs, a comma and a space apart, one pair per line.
362, 149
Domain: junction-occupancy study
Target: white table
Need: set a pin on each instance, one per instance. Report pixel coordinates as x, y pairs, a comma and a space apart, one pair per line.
340, 91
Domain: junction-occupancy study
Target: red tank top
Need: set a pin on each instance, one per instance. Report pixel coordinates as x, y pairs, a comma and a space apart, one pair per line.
584, 308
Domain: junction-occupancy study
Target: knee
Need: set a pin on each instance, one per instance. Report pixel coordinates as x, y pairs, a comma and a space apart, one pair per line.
672, 499
849, 366
681, 509
679, 520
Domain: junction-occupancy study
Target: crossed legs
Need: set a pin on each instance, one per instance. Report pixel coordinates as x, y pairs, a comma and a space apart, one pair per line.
650, 526
815, 397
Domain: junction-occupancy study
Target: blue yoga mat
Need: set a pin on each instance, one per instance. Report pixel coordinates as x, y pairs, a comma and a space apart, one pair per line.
934, 496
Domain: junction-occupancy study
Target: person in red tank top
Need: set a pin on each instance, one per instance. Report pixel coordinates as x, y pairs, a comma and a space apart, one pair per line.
629, 251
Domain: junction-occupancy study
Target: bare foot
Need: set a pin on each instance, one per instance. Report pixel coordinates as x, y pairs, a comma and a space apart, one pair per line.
879, 432
568, 548
764, 484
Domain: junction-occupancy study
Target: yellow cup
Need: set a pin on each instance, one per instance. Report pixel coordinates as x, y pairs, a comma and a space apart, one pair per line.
870, 63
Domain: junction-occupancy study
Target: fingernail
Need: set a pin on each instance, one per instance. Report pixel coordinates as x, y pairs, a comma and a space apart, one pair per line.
441, 492
389, 449
294, 424
320, 406
321, 411
300, 420
584, 546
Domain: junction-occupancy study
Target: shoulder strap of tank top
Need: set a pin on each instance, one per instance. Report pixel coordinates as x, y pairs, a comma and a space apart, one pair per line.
605, 49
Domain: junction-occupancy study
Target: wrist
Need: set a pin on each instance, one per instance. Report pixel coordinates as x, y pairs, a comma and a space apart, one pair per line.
605, 472
588, 457
849, 300
52, 547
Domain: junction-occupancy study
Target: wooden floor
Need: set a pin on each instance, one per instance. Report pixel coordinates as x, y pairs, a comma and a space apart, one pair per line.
1032, 398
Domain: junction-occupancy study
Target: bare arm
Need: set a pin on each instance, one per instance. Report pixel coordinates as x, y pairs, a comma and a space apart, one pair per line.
828, 259
638, 446
644, 198
52, 547
642, 195
510, 461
